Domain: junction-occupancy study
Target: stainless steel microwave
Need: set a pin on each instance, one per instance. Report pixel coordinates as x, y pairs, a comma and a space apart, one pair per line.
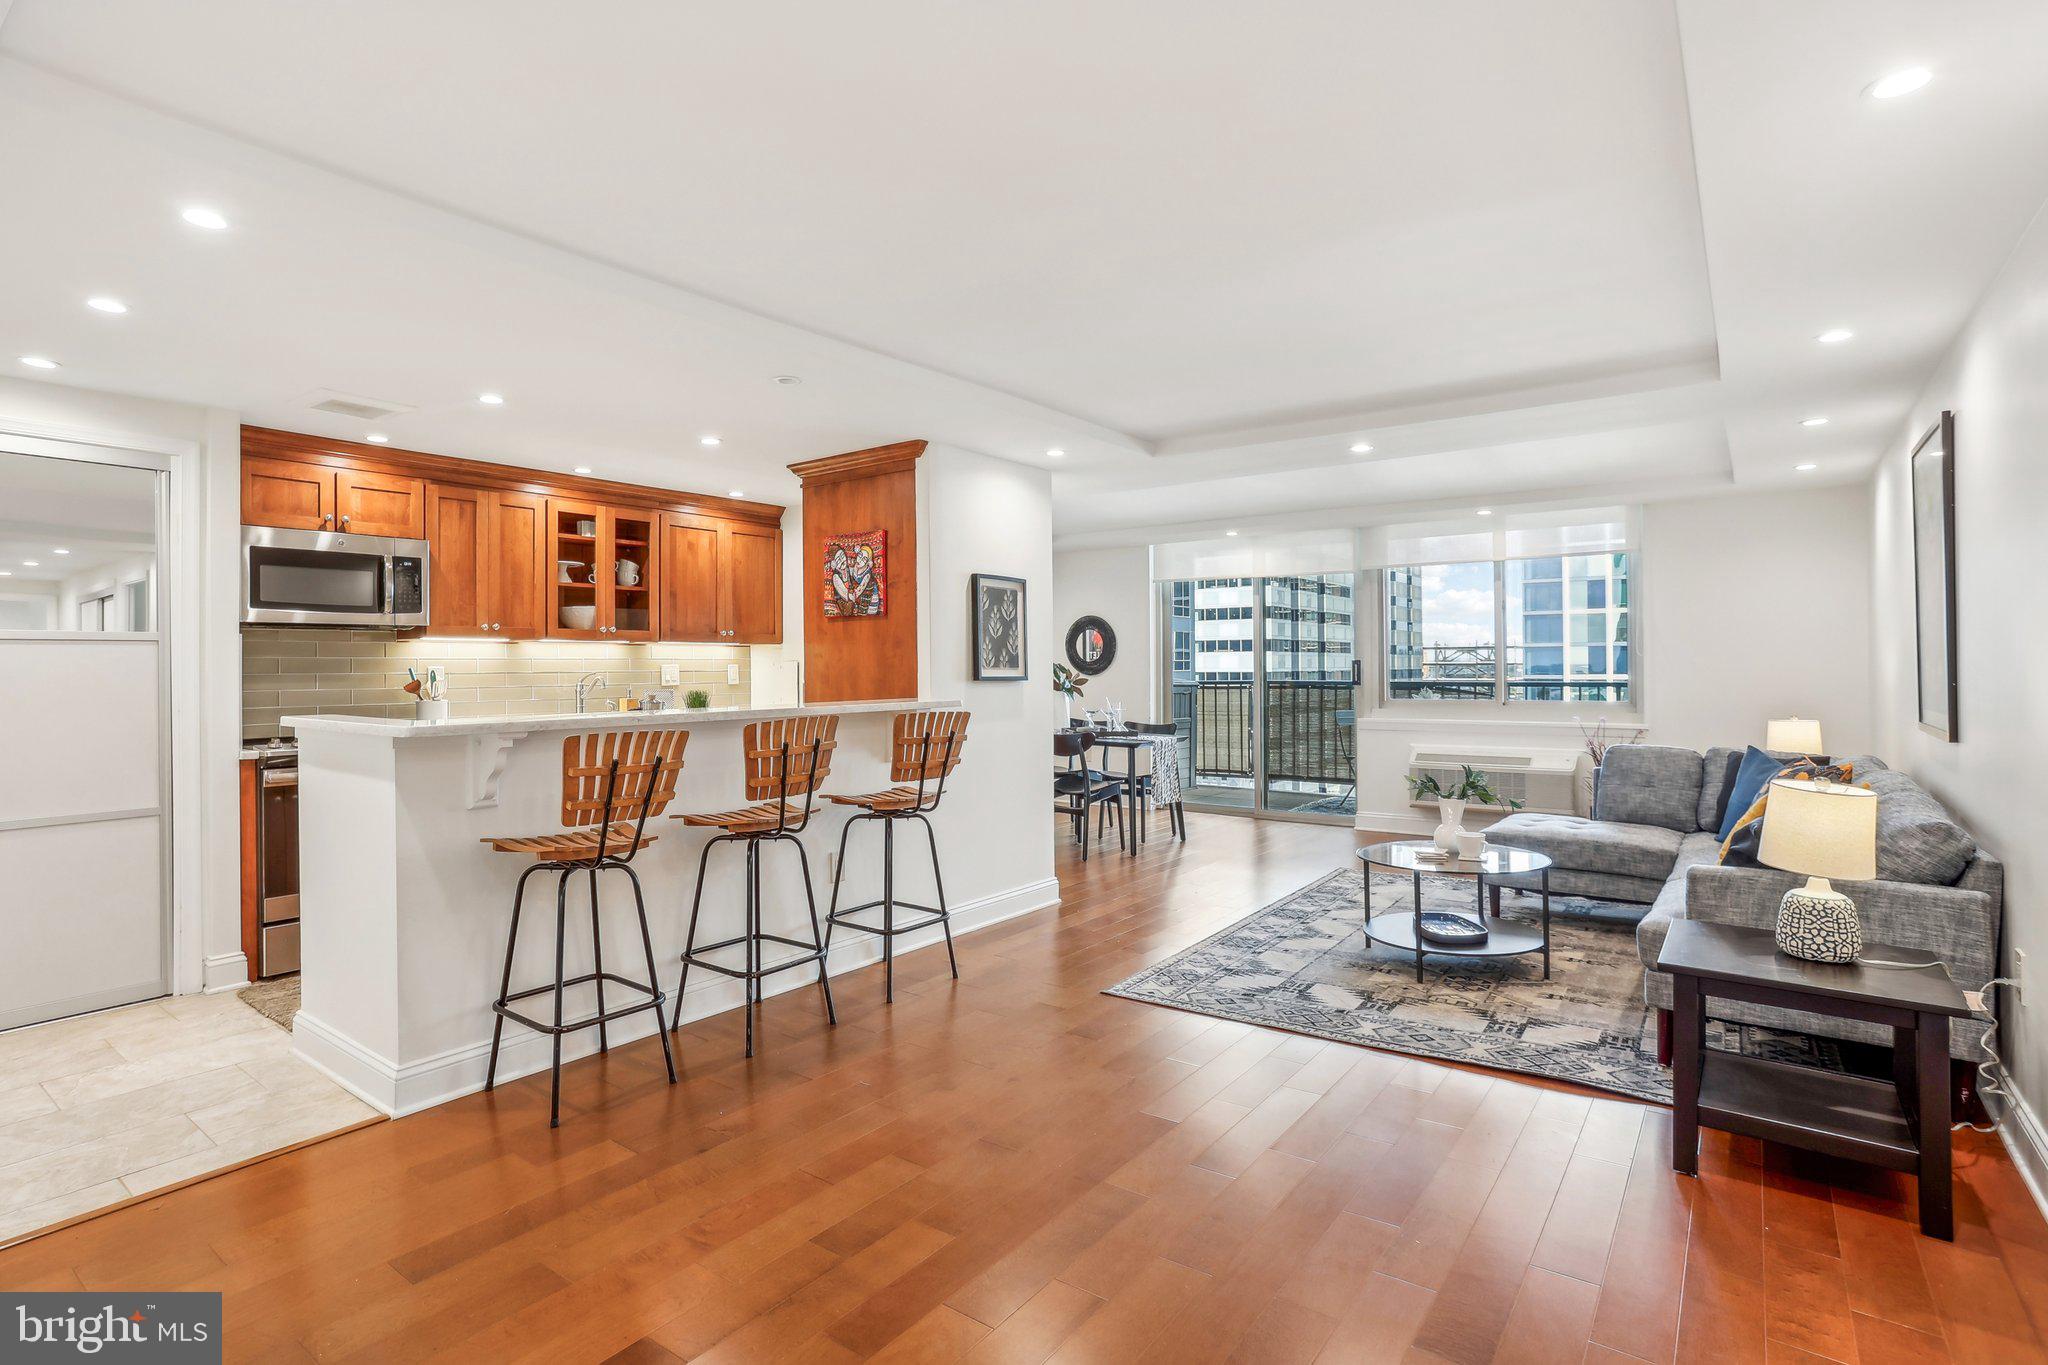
329, 578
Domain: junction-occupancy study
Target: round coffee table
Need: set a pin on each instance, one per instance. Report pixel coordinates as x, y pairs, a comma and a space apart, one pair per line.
1398, 929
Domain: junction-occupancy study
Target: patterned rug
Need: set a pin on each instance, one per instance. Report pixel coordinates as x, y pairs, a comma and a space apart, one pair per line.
276, 999
1305, 965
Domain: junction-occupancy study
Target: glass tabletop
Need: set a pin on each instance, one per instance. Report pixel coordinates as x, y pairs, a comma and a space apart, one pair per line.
1495, 860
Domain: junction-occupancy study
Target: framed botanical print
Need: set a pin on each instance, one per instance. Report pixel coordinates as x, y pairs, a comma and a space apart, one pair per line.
1934, 577
997, 606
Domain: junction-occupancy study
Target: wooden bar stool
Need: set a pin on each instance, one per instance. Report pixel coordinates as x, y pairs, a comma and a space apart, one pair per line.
784, 758
926, 748
611, 782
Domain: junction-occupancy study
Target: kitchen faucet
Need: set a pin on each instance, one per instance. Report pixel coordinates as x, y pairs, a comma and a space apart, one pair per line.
584, 686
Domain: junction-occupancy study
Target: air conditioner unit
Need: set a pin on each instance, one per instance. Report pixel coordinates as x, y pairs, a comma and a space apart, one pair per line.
1541, 779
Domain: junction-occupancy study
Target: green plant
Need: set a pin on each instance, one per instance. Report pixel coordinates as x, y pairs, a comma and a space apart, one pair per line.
1472, 788
697, 699
1066, 681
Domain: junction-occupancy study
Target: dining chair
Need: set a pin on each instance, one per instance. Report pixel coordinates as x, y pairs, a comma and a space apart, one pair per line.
1079, 789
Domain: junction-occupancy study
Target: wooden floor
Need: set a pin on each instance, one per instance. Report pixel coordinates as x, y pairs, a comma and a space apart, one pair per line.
1018, 1168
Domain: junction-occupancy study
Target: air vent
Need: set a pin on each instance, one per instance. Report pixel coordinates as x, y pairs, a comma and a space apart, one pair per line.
352, 405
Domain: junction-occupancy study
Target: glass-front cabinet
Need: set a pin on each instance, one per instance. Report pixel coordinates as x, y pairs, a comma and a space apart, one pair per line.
602, 582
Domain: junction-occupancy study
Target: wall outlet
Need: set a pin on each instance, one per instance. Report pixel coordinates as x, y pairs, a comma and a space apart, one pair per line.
732, 673
2019, 971
671, 674
832, 867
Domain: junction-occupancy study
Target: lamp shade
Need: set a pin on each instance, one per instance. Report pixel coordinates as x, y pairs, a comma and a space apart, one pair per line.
1821, 829
1793, 736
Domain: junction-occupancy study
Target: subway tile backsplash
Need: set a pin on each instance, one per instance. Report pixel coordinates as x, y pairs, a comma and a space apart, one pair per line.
296, 672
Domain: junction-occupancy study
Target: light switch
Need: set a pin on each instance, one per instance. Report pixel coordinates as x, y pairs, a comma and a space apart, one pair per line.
732, 673
671, 674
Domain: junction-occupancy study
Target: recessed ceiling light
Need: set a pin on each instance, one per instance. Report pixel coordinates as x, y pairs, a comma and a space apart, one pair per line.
1806, 468
737, 493
1814, 422
38, 362
1834, 336
1361, 447
1230, 533
788, 381
1055, 454
709, 441
102, 303
31, 564
60, 550
6, 573
582, 469
376, 438
491, 400
200, 216
1486, 511
1898, 83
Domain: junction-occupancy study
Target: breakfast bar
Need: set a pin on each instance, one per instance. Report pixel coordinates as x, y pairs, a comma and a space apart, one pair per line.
405, 908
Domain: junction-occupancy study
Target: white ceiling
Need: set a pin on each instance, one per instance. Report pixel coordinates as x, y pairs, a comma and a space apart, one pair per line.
64, 519
1526, 251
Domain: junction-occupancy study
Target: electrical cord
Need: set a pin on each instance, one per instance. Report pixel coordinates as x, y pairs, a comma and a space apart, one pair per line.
1991, 1077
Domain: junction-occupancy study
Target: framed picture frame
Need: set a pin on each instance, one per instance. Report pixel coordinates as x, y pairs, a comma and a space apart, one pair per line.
996, 608
1934, 578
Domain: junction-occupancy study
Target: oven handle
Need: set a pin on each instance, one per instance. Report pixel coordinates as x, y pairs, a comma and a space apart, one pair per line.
281, 777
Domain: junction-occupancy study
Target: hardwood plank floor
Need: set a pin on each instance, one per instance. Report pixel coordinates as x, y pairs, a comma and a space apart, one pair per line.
1017, 1168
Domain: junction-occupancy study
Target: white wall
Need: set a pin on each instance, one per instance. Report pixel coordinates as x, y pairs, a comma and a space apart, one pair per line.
199, 583
1115, 585
1995, 380
1748, 606
980, 515
101, 580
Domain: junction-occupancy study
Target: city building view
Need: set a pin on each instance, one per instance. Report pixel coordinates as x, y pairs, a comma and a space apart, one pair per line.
1565, 621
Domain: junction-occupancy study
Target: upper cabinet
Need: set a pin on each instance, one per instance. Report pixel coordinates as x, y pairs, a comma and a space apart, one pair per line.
522, 554
722, 580
316, 497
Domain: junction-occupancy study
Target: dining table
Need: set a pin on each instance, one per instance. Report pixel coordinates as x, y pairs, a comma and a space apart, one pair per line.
1131, 743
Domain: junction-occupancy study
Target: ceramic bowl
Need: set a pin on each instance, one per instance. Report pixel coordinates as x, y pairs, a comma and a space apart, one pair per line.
579, 618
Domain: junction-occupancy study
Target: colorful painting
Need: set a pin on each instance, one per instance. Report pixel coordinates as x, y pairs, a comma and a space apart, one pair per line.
856, 575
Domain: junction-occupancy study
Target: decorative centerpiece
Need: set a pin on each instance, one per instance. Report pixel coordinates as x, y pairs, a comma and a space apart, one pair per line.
1068, 683
1452, 800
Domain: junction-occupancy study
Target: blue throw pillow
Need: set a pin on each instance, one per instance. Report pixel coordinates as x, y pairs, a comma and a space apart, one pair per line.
1756, 772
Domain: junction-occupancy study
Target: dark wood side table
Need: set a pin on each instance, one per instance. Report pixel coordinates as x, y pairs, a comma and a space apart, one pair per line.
1903, 1126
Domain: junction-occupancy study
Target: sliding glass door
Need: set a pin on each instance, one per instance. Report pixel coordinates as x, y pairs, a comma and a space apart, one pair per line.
1261, 680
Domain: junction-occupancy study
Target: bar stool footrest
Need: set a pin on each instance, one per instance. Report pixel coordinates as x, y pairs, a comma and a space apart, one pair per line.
934, 915
811, 953
654, 1000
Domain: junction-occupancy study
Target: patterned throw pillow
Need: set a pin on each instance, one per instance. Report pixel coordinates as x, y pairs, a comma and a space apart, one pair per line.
1739, 848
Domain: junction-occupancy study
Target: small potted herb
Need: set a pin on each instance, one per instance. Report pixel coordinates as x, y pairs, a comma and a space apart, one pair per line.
697, 699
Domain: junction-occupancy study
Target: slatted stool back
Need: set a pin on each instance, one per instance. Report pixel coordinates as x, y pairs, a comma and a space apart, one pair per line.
924, 750
785, 760
612, 782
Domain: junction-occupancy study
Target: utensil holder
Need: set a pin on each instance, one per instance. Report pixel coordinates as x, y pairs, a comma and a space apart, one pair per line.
431, 710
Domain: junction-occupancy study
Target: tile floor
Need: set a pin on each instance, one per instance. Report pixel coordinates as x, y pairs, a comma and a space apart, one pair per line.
103, 1107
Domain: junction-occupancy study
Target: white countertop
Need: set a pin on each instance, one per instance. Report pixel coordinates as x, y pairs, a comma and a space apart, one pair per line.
470, 726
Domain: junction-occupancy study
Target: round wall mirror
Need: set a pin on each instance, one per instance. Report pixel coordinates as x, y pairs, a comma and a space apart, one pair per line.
1091, 645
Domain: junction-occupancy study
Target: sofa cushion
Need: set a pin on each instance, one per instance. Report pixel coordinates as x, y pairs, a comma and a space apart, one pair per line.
1757, 769
1649, 784
1624, 850
1717, 774
1697, 847
1917, 839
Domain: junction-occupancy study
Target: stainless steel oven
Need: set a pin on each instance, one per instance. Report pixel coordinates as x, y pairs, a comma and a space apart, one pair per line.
330, 578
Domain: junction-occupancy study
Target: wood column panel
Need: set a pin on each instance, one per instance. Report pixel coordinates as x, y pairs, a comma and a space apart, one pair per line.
873, 657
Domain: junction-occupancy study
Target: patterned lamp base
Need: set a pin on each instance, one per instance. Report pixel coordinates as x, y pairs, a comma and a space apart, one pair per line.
1819, 923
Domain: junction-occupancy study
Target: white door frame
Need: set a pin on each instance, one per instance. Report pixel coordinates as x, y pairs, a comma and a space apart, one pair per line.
179, 607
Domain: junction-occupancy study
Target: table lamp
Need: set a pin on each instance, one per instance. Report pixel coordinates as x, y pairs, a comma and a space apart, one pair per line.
1824, 830
1793, 736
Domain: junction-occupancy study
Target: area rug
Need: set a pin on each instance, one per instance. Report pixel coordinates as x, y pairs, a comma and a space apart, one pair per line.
1305, 965
276, 1000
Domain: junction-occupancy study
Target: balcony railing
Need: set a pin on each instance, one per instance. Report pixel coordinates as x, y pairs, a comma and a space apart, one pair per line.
1309, 730
1467, 672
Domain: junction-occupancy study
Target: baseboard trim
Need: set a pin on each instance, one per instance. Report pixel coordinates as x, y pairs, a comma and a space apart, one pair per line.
398, 1090
2027, 1141
225, 972
1395, 822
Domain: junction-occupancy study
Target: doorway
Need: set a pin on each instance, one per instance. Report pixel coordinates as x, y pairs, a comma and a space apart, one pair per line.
85, 813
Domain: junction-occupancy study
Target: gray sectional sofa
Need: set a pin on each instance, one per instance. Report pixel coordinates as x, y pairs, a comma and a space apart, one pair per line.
1653, 840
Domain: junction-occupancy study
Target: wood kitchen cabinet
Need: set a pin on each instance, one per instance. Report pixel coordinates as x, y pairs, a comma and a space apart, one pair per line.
313, 497
489, 555
721, 580
603, 563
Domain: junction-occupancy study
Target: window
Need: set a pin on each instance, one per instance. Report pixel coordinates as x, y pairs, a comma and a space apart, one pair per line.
1548, 629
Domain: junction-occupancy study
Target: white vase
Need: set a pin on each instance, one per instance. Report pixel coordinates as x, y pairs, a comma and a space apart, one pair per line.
1453, 813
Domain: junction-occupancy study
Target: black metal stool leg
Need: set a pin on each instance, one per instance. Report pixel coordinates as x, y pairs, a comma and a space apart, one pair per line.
821, 938
690, 939
838, 876
604, 1042
753, 982
889, 912
945, 919
561, 952
505, 982
653, 973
